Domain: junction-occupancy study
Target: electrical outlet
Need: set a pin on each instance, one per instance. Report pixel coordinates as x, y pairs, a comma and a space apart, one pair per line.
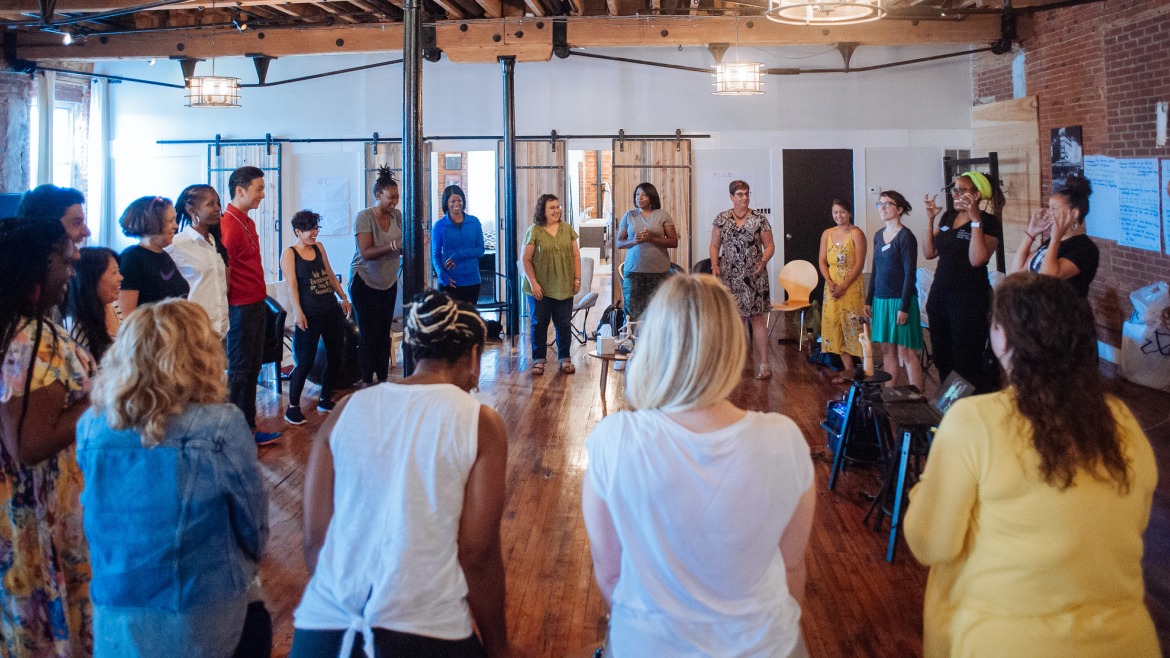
766, 211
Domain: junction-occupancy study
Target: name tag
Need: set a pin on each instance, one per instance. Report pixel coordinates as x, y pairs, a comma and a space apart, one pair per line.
943, 228
886, 248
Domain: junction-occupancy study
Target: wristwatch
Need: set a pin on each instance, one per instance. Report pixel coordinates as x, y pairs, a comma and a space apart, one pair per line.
976, 224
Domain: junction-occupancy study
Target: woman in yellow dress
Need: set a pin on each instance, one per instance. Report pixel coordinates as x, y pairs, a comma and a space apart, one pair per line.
841, 261
1031, 509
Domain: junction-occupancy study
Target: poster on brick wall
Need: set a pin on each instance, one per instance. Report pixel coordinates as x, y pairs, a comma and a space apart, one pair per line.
1102, 221
1137, 187
1165, 187
1066, 155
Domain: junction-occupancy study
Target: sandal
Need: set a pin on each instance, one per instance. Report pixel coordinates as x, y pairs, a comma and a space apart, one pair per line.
538, 368
763, 372
568, 368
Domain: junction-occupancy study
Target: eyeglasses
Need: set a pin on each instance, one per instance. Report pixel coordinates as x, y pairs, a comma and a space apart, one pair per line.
743, 195
885, 204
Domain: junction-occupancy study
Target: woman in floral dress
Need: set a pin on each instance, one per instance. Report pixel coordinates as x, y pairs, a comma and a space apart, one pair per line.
841, 261
741, 246
45, 610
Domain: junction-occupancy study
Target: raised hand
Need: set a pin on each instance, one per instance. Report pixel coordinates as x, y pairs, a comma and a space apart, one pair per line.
932, 207
1040, 223
1062, 223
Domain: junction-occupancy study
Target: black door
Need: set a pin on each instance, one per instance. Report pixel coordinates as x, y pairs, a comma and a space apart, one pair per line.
812, 179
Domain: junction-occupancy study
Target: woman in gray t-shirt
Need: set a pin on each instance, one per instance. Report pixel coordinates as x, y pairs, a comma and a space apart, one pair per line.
647, 232
374, 276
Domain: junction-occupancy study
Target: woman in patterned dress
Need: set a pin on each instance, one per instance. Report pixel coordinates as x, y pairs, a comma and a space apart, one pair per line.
741, 246
45, 610
841, 261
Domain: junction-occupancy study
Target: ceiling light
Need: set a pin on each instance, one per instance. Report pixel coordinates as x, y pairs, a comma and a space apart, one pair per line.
213, 91
67, 38
826, 12
738, 79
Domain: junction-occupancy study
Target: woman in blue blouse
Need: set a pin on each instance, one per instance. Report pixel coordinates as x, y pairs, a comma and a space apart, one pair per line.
456, 245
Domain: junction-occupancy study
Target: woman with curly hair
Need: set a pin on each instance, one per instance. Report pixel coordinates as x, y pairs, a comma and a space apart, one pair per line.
45, 610
1031, 509
373, 279
175, 508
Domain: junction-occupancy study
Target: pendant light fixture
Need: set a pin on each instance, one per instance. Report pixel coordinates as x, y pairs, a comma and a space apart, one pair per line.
738, 78
212, 90
826, 12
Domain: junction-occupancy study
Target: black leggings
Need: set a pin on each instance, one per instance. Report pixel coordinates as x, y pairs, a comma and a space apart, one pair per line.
467, 294
960, 327
329, 326
387, 644
375, 313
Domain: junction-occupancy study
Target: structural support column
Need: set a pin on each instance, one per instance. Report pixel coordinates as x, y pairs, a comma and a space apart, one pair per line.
413, 222
514, 295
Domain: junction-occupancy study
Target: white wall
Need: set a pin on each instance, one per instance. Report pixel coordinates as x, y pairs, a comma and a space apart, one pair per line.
922, 106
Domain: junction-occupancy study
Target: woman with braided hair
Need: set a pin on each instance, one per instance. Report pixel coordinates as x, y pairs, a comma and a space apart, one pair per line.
45, 609
430, 466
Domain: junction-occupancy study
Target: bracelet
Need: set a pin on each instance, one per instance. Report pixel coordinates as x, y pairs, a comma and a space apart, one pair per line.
577, 279
1030, 236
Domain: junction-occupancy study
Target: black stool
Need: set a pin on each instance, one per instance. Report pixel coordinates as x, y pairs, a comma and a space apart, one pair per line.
912, 439
861, 384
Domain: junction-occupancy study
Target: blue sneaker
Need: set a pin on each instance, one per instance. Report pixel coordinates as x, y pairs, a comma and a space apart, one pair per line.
265, 438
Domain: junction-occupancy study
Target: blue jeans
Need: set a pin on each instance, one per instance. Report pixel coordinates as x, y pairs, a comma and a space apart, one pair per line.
560, 311
245, 351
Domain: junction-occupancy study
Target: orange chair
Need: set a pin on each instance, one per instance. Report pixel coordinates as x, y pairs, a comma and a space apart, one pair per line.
798, 278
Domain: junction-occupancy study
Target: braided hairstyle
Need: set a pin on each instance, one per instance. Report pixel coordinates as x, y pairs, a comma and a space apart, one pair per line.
438, 327
26, 245
384, 179
193, 195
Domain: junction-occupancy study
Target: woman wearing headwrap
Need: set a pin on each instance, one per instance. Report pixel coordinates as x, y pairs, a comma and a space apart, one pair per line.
960, 297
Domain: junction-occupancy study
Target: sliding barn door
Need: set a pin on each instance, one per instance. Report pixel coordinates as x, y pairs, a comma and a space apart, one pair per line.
222, 160
540, 169
665, 164
390, 154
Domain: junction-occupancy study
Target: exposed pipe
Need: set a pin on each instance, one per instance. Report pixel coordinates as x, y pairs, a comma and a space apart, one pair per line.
323, 75
115, 78
512, 298
429, 138
92, 17
413, 233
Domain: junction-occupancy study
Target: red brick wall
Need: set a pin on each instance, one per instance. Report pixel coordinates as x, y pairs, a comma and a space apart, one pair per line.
589, 173
1100, 66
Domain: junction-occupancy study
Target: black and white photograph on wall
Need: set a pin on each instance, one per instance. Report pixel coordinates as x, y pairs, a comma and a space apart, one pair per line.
1067, 155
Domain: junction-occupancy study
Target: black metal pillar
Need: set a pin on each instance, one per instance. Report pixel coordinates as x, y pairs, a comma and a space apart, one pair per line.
510, 238
413, 222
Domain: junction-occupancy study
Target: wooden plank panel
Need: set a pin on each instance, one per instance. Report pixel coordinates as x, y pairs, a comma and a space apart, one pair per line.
1011, 129
539, 170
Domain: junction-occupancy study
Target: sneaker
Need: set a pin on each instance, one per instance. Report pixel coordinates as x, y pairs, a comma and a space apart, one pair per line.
326, 405
619, 365
264, 438
294, 416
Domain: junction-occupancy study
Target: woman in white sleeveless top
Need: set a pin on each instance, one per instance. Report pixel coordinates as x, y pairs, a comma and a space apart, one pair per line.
403, 498
698, 512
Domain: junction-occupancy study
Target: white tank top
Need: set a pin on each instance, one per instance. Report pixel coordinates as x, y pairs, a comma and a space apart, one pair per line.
401, 458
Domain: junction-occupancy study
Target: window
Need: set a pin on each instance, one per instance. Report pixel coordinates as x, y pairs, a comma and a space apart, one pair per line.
65, 147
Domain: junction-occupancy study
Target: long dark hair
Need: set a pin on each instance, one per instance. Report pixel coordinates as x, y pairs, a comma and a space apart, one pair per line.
83, 304
1059, 390
48, 202
194, 195
25, 248
538, 216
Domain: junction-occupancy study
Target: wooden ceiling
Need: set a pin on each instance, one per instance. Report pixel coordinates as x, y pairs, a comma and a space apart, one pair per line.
465, 30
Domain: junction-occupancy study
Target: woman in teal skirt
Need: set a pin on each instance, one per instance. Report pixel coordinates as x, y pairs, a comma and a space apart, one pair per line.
892, 300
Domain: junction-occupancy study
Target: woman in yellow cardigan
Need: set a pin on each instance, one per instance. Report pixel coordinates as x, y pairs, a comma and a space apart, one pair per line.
1031, 508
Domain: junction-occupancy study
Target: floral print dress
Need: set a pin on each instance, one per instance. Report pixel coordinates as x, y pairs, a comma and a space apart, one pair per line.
742, 248
45, 610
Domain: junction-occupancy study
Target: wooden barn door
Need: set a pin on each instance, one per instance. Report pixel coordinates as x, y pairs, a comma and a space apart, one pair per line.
540, 169
665, 164
1012, 130
222, 160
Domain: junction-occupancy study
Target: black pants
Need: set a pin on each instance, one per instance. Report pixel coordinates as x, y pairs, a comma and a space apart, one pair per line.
960, 327
469, 294
387, 644
245, 351
560, 311
329, 326
375, 313
256, 641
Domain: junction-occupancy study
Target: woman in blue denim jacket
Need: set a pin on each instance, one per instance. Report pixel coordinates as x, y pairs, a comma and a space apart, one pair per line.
175, 508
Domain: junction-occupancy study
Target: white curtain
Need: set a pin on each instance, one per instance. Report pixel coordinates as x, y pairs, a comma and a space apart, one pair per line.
97, 196
46, 103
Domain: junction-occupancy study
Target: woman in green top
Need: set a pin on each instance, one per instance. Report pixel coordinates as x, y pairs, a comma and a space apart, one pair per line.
552, 275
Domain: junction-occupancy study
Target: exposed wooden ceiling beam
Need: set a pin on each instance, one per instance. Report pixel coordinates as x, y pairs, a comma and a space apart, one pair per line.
453, 11
478, 42
491, 8
535, 7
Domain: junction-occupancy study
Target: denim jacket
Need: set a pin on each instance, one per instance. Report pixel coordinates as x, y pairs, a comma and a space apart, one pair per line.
178, 526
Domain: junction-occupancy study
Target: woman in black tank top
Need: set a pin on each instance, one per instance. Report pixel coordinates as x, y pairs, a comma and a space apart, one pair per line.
316, 313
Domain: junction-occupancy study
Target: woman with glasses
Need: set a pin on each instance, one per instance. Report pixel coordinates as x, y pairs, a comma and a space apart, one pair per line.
960, 297
891, 303
741, 246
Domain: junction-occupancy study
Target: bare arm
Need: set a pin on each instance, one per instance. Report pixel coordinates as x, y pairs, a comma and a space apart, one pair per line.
794, 544
1037, 226
624, 241
823, 262
127, 301
365, 244
319, 490
49, 425
982, 246
479, 533
1053, 265
334, 283
289, 268
603, 541
530, 273
769, 251
932, 210
669, 237
859, 248
576, 268
713, 251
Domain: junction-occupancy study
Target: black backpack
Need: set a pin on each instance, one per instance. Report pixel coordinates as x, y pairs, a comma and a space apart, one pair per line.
615, 316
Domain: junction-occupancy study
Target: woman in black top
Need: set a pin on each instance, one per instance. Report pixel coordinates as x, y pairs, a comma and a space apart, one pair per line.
316, 314
960, 297
148, 273
891, 302
1076, 256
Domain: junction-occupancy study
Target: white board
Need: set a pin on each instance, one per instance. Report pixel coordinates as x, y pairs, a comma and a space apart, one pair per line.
1137, 185
1165, 186
1104, 204
327, 196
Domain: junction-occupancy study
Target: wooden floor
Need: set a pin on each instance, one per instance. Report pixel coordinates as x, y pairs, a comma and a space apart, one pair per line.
857, 604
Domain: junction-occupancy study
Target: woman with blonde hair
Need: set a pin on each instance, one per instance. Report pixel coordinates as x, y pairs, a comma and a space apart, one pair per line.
685, 566
175, 508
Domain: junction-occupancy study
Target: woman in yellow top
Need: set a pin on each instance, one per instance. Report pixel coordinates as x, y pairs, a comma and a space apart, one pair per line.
552, 276
841, 261
1032, 505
